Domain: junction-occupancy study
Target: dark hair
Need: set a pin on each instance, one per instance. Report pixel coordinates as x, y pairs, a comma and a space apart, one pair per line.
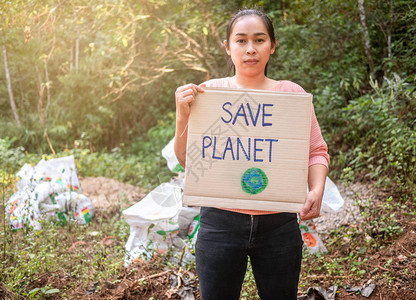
251, 12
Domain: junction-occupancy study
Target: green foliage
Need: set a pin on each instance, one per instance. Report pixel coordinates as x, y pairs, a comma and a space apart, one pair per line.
10, 156
367, 119
379, 135
82, 69
44, 291
133, 169
382, 224
319, 46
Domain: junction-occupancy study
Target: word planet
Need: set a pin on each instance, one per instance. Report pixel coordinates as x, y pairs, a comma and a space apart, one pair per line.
254, 181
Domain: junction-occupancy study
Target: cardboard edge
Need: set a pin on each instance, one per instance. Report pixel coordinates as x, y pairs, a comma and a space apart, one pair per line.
309, 140
225, 90
242, 204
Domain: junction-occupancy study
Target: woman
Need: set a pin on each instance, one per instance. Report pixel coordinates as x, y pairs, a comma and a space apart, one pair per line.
227, 237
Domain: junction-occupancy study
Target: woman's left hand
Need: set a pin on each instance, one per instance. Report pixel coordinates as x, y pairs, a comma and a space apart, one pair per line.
312, 206
316, 183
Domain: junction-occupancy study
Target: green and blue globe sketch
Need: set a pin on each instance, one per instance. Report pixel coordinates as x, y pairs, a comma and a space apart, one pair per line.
254, 181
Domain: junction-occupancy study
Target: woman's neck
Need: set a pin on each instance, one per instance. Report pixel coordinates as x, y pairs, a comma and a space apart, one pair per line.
260, 82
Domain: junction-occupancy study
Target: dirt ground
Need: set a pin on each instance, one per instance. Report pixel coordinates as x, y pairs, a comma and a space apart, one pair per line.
154, 280
144, 281
106, 193
392, 270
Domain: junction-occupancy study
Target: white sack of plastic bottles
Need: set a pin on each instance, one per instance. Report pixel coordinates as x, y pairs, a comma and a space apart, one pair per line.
50, 190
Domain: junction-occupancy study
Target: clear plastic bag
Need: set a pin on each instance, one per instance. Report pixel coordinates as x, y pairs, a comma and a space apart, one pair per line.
332, 201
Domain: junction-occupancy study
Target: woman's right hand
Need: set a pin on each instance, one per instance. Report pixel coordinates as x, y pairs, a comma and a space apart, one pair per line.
185, 96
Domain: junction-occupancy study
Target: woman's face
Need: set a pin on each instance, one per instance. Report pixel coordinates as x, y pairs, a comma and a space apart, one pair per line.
250, 46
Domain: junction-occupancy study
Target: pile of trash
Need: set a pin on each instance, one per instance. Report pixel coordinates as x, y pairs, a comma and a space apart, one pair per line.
160, 222
48, 191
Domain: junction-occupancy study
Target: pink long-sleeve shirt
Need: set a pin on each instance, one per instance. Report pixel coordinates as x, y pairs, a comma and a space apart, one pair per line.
318, 150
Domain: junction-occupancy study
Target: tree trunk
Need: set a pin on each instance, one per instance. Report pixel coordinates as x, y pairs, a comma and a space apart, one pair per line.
9, 87
71, 59
366, 36
76, 52
284, 11
389, 31
48, 91
40, 90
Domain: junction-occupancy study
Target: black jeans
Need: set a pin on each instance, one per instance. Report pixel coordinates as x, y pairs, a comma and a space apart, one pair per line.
226, 240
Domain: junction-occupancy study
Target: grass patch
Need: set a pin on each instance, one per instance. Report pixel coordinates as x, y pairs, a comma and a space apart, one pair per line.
40, 261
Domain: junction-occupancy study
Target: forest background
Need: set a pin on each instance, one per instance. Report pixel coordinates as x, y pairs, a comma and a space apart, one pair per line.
96, 79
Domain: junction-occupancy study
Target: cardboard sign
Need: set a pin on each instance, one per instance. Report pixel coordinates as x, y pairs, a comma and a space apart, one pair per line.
248, 149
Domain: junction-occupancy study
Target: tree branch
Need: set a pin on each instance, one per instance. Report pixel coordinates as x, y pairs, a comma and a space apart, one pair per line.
366, 36
9, 88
